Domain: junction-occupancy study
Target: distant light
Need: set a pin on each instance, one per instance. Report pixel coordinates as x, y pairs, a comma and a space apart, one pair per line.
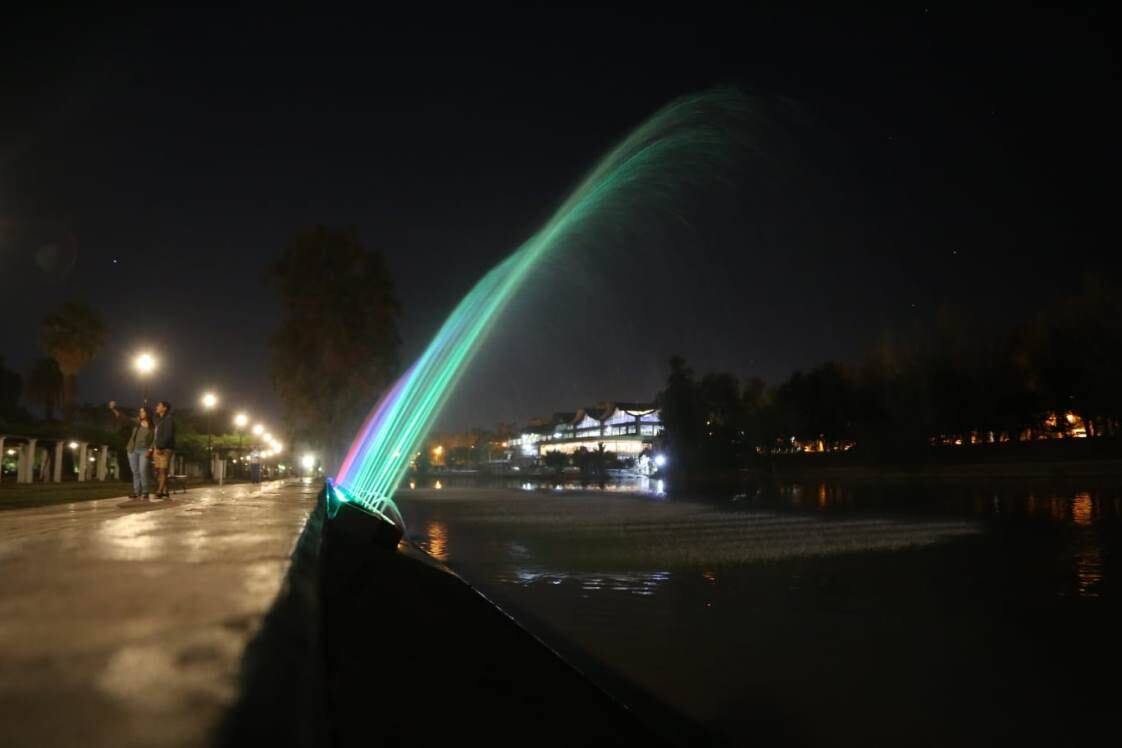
93, 459
210, 400
267, 437
438, 485
438, 450
660, 460
308, 461
73, 445
278, 447
240, 420
258, 430
11, 452
145, 363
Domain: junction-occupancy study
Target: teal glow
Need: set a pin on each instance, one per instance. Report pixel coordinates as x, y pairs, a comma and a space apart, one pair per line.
680, 142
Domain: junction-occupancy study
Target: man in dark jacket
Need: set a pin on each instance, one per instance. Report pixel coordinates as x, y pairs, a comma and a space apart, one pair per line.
163, 443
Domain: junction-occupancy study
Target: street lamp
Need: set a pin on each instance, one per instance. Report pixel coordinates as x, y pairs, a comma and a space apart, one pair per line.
209, 401
145, 364
241, 420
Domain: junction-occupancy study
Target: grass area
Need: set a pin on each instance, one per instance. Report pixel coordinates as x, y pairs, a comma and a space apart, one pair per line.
24, 495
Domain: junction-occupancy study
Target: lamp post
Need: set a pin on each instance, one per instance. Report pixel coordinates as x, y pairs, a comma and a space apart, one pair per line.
209, 401
145, 364
241, 420
255, 466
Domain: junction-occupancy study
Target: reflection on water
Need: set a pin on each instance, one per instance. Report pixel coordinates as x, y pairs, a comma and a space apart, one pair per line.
777, 598
638, 583
1082, 509
435, 541
1089, 572
130, 537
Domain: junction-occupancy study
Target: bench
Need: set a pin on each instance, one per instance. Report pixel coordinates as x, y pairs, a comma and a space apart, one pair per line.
179, 481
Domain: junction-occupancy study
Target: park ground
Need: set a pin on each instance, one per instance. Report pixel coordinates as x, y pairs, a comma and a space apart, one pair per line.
210, 620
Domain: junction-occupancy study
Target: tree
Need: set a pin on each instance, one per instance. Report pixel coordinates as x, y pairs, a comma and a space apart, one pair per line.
556, 461
44, 385
723, 416
11, 384
337, 348
683, 420
72, 335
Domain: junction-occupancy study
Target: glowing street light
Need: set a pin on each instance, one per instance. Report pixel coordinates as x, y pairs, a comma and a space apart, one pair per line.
241, 420
308, 461
145, 364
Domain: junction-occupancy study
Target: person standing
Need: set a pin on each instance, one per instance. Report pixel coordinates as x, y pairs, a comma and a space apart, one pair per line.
139, 452
163, 443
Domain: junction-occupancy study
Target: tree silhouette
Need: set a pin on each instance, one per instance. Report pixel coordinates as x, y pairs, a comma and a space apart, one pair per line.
337, 348
44, 385
72, 335
11, 384
556, 461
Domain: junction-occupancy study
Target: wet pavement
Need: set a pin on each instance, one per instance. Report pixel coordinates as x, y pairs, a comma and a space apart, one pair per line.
126, 627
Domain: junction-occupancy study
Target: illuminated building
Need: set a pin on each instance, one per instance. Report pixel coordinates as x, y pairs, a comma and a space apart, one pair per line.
625, 429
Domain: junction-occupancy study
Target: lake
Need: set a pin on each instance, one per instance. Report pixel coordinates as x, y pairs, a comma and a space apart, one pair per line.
813, 612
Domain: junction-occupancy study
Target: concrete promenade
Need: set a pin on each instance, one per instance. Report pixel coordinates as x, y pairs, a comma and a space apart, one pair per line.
194, 623
126, 627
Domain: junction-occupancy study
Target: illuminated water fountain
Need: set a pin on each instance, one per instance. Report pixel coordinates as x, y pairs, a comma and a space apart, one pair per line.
684, 141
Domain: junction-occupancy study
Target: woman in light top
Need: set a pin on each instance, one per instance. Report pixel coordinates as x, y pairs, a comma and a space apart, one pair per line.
139, 450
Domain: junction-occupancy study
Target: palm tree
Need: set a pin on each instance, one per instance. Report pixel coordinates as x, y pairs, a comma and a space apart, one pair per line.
72, 335
44, 385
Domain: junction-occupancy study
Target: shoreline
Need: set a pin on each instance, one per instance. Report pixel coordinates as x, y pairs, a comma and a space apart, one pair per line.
381, 644
1012, 470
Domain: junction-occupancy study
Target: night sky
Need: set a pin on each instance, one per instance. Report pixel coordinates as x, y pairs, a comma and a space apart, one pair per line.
155, 163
